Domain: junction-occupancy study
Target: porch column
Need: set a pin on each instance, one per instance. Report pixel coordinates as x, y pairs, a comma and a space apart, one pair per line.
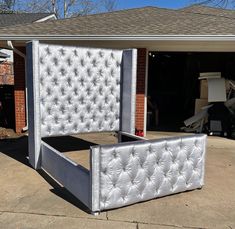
19, 91
140, 90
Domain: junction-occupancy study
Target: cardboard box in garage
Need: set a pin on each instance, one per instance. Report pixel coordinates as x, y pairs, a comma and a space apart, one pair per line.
203, 89
199, 103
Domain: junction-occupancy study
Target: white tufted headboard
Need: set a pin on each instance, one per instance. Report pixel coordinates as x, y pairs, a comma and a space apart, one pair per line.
79, 89
76, 90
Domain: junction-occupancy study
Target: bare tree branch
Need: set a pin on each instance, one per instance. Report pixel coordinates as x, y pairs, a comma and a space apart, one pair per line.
61, 8
7, 5
216, 3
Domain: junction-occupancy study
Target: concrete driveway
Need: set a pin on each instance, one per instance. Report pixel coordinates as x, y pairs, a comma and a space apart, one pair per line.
29, 199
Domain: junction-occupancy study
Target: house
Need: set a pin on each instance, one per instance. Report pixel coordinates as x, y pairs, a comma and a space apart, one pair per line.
173, 47
6, 62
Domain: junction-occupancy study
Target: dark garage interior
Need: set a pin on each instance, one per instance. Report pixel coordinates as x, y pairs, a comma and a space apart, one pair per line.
173, 84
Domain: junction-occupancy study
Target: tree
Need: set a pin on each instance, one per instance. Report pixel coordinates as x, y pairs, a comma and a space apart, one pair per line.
7, 5
66, 8
217, 3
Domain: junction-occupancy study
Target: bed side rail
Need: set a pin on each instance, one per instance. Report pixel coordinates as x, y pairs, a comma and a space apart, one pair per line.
72, 176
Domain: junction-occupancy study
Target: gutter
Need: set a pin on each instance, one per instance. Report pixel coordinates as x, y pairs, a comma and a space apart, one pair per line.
121, 37
10, 45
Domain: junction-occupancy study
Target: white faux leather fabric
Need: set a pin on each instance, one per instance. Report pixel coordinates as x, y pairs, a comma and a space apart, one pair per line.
139, 171
79, 89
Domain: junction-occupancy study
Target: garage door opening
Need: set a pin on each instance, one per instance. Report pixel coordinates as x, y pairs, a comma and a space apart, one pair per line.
173, 85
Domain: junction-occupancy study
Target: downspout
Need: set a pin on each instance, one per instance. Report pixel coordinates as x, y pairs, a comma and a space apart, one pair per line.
10, 45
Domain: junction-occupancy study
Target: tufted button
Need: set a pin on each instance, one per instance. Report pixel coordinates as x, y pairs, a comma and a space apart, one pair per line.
94, 81
55, 61
69, 61
111, 125
100, 125
62, 127
75, 126
62, 51
41, 60
75, 52
55, 81
48, 70
166, 147
112, 55
75, 109
112, 90
114, 154
49, 129
48, 51
100, 72
150, 149
101, 54
106, 99
63, 71
81, 81
62, 90
94, 62
93, 117
112, 72
133, 151
75, 90
56, 101
106, 117
81, 118
69, 81
62, 109
89, 72
69, 118
42, 101
56, 119
75, 71
81, 100
41, 80
104, 171
101, 90
69, 99
48, 91
88, 108
88, 126
118, 64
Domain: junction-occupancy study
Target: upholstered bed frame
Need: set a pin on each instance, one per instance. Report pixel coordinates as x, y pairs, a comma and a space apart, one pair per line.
75, 90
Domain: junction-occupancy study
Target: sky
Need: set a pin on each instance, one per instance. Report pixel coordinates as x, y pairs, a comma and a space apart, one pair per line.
122, 4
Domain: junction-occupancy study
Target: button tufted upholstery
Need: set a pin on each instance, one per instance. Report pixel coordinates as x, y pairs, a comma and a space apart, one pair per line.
134, 172
79, 89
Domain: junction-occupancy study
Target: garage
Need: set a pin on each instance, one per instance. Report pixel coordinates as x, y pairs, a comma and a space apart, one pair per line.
174, 87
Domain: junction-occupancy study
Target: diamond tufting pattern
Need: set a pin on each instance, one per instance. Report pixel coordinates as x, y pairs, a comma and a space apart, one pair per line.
134, 172
79, 89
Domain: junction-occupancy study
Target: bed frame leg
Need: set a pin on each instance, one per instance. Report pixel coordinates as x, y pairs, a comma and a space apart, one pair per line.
95, 213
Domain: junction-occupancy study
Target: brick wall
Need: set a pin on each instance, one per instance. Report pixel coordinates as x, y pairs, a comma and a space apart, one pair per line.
140, 89
6, 73
19, 91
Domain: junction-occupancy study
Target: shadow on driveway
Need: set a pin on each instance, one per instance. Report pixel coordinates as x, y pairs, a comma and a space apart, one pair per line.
17, 149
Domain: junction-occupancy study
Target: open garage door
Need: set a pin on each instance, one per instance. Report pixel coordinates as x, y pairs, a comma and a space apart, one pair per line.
174, 87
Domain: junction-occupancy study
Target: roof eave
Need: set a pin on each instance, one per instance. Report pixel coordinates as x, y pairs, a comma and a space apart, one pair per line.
121, 37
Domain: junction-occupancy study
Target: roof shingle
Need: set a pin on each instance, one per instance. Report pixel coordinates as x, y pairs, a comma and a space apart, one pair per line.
10, 19
140, 21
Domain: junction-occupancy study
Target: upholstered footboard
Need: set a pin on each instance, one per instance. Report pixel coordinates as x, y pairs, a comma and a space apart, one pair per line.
132, 172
